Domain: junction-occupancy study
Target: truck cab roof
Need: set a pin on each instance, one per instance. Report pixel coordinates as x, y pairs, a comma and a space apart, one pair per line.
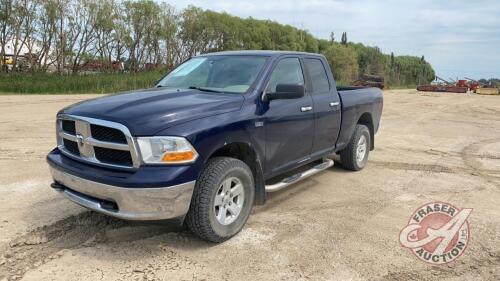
267, 53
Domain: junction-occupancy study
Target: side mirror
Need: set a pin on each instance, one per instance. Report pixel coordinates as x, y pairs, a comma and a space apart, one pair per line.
158, 81
286, 91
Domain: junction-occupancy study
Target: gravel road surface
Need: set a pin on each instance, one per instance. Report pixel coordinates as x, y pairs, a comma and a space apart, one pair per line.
337, 225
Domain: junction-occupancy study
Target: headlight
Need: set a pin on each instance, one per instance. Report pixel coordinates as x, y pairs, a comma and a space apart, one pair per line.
166, 150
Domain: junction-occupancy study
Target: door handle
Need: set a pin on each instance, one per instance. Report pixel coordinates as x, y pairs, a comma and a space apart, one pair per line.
306, 108
333, 104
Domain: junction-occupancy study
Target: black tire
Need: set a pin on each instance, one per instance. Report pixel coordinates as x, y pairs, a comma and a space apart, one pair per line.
201, 218
348, 156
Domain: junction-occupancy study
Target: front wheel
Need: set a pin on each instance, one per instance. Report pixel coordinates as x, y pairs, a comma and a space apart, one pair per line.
222, 199
355, 155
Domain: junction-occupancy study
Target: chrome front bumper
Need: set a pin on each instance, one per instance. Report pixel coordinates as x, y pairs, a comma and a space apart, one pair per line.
131, 203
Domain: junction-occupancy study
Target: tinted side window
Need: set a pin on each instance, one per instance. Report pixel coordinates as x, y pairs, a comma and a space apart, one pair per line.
319, 79
288, 71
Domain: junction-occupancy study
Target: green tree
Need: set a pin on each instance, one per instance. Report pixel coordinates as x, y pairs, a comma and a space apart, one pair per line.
343, 41
148, 33
141, 18
370, 59
343, 62
5, 28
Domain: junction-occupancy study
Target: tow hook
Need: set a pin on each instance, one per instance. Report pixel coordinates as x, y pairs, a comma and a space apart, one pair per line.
56, 185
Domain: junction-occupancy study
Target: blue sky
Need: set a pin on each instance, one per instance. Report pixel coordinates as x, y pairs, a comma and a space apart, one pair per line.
459, 38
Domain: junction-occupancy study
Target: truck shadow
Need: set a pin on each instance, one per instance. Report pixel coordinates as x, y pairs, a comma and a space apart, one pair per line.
275, 199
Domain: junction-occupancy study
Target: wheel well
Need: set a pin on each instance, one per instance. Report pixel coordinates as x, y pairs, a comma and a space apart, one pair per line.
246, 153
366, 119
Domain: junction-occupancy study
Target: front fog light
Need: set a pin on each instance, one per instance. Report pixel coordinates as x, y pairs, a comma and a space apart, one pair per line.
166, 150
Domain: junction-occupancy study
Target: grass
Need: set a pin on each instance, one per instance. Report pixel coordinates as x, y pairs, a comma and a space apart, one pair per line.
100, 83
46, 83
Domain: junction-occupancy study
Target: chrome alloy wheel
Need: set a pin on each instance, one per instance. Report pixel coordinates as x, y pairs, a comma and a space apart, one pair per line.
229, 200
361, 150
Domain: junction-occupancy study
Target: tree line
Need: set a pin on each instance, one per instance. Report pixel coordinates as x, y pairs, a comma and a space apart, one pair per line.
492, 82
68, 36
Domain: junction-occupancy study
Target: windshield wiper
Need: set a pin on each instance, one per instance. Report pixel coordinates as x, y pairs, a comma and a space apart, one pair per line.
204, 89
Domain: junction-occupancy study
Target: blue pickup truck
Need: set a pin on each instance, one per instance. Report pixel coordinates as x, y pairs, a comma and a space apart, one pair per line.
212, 138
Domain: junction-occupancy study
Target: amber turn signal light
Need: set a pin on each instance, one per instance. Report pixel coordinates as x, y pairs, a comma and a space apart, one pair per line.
178, 156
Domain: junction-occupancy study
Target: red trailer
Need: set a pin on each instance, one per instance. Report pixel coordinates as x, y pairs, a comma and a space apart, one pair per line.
367, 80
459, 87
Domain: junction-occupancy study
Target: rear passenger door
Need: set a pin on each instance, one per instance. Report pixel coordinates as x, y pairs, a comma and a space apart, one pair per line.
326, 103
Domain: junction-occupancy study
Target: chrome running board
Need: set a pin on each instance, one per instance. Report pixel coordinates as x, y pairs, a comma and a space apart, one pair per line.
300, 176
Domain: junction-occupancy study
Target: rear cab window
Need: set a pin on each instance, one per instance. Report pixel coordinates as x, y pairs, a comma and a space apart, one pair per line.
318, 76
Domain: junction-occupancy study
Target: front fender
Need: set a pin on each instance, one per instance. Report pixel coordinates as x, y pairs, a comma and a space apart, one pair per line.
209, 134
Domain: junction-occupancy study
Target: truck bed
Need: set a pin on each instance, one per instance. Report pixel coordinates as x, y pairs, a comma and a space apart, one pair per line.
356, 100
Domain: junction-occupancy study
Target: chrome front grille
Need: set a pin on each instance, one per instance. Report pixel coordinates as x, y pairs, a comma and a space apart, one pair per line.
96, 141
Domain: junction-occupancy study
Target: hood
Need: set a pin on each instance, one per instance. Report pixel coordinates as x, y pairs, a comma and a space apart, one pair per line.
145, 112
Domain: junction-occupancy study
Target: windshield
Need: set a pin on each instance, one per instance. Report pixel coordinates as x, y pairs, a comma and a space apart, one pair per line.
233, 74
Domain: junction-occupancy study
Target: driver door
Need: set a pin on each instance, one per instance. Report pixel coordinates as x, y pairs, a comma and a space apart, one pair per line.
289, 123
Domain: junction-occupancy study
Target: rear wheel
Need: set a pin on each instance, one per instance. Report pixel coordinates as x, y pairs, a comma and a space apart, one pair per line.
355, 155
222, 199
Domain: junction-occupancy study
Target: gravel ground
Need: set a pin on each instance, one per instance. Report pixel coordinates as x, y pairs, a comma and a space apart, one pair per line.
337, 225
